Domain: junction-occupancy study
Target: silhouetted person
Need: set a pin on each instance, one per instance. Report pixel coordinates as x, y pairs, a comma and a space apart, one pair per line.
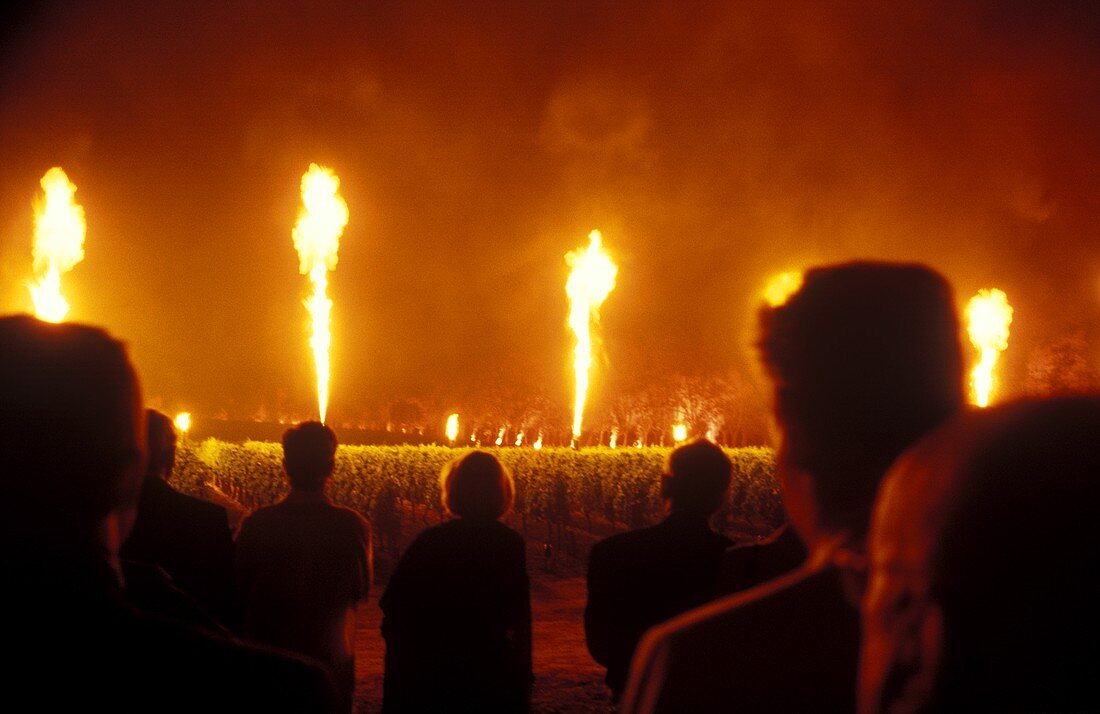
72, 451
643, 577
186, 536
457, 610
864, 359
305, 564
985, 567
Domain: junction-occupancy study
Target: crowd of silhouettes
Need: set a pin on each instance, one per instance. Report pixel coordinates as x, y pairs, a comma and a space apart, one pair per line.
936, 557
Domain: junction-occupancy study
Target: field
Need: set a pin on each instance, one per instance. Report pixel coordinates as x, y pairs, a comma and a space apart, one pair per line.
566, 500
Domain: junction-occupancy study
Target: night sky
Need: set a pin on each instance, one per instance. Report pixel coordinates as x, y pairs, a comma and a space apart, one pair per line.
712, 143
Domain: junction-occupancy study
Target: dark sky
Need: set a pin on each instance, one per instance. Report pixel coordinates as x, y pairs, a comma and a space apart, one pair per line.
712, 143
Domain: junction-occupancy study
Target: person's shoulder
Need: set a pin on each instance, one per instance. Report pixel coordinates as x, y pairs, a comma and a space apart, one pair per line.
262, 517
201, 508
349, 516
626, 541
716, 620
243, 673
508, 533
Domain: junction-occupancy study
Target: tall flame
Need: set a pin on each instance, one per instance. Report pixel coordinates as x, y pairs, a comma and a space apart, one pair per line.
59, 230
781, 286
988, 317
452, 427
317, 238
591, 281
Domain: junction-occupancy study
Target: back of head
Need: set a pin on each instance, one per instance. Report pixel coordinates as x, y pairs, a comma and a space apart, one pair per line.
1016, 565
865, 359
998, 515
309, 455
697, 476
160, 438
477, 486
71, 437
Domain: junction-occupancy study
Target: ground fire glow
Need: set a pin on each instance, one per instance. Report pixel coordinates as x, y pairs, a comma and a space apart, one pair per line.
59, 229
988, 316
316, 236
589, 284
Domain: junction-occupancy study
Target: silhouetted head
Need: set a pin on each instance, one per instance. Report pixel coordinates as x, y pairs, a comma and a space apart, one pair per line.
309, 455
71, 429
476, 485
160, 434
985, 566
865, 359
696, 478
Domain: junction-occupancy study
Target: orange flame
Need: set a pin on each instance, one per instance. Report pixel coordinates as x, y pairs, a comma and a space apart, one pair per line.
781, 286
589, 284
59, 230
183, 422
679, 432
988, 316
452, 427
316, 236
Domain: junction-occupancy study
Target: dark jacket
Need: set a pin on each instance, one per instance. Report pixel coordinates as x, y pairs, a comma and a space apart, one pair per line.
790, 645
643, 577
457, 621
190, 539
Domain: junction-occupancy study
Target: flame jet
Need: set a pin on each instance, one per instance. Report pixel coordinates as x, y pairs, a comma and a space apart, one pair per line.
589, 284
59, 230
781, 286
321, 221
452, 428
988, 317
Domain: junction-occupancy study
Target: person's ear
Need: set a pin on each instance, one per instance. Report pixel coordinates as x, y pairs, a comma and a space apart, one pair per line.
920, 655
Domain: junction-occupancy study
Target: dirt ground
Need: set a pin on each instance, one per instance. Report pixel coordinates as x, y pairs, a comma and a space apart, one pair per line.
566, 678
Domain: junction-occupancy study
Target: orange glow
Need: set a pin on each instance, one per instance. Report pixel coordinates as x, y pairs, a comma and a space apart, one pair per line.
59, 230
614, 441
322, 219
780, 287
452, 427
183, 422
988, 316
589, 284
679, 432
538, 442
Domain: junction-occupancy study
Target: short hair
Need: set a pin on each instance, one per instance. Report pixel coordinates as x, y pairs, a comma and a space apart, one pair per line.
309, 455
697, 477
1006, 501
160, 439
70, 430
865, 358
476, 485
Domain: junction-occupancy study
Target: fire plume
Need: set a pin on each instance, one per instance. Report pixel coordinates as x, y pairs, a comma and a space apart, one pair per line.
452, 427
589, 284
321, 221
183, 422
781, 286
988, 316
59, 230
